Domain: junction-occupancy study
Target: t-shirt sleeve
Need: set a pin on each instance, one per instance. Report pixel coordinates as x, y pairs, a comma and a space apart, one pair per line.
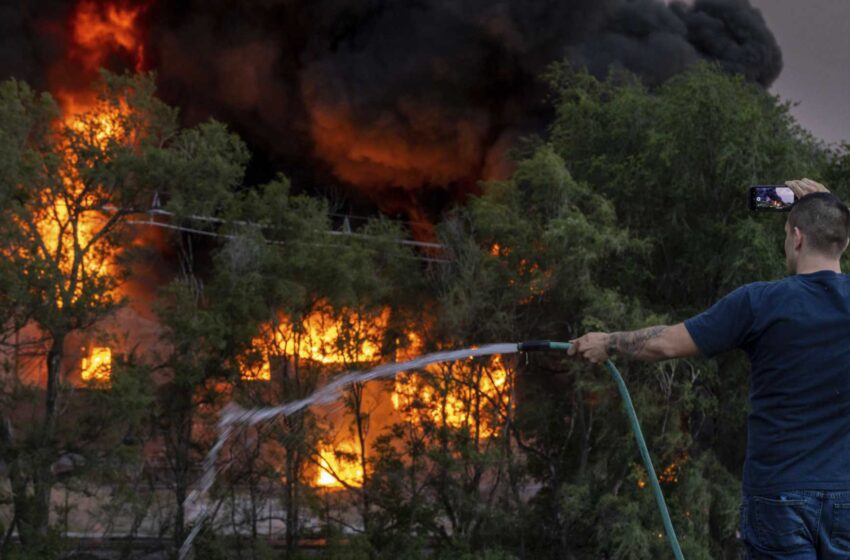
725, 325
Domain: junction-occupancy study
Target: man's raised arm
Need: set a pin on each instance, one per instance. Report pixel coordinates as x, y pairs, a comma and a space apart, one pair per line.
651, 344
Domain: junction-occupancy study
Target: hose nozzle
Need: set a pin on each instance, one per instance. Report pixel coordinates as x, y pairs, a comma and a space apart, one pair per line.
534, 345
540, 345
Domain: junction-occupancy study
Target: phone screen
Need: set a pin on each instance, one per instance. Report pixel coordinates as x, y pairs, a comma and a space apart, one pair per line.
771, 198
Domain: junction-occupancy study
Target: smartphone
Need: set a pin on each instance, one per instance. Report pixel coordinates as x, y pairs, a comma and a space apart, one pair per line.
771, 198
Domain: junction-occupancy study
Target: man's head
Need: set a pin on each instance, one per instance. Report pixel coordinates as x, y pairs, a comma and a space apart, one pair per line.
818, 226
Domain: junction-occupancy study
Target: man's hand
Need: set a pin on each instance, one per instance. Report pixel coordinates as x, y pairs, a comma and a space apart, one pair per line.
802, 187
593, 347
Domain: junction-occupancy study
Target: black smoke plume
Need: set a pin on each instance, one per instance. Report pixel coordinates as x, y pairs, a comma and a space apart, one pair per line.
397, 97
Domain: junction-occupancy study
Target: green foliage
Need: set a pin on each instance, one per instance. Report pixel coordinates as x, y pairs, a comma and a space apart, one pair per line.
676, 164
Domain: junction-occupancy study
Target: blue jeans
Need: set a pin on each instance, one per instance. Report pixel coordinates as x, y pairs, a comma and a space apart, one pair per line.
803, 525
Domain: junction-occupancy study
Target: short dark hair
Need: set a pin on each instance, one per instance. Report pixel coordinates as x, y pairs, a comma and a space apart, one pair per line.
825, 220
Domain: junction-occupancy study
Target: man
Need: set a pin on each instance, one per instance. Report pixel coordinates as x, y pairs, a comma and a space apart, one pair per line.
796, 331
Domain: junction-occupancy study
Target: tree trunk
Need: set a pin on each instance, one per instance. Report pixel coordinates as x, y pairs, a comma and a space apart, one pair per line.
54, 363
182, 463
292, 498
361, 422
34, 517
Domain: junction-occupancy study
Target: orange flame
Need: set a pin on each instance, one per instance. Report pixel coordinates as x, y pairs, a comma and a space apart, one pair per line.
670, 474
260, 371
99, 33
99, 30
473, 395
377, 156
336, 470
463, 400
97, 366
66, 232
320, 338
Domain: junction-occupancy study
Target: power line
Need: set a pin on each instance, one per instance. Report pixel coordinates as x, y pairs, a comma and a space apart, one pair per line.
346, 233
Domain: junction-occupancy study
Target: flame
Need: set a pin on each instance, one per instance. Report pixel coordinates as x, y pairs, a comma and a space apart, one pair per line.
102, 34
99, 30
99, 123
670, 474
60, 239
321, 337
66, 231
336, 470
497, 250
387, 153
98, 365
535, 278
466, 397
260, 371
475, 394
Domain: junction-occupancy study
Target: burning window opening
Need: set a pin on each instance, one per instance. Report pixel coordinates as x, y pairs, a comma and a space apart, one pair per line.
97, 367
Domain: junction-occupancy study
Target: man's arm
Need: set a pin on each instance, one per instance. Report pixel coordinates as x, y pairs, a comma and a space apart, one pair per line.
651, 344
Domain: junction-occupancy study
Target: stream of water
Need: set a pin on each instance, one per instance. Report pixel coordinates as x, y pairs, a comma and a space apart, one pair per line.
234, 416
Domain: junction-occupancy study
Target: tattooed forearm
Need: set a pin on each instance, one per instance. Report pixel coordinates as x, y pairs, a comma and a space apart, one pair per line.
636, 344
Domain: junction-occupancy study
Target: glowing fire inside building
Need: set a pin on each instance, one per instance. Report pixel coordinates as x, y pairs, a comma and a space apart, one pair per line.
322, 337
338, 468
97, 366
473, 395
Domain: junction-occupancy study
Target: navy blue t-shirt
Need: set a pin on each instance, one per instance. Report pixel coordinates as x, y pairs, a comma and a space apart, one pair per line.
796, 332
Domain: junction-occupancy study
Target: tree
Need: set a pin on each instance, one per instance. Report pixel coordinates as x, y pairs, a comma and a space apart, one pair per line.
205, 319
665, 157
523, 259
313, 281
67, 187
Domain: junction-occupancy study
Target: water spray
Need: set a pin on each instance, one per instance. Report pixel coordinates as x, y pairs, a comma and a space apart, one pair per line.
233, 416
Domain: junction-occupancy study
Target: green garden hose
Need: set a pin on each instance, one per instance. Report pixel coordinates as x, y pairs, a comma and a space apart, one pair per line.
537, 345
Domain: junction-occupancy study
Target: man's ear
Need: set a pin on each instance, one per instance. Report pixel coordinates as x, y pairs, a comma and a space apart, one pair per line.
798, 237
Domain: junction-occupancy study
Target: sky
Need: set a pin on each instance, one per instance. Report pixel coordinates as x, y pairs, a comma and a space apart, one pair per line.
814, 36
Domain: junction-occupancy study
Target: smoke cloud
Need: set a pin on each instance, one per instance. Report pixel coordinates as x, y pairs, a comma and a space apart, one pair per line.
399, 97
